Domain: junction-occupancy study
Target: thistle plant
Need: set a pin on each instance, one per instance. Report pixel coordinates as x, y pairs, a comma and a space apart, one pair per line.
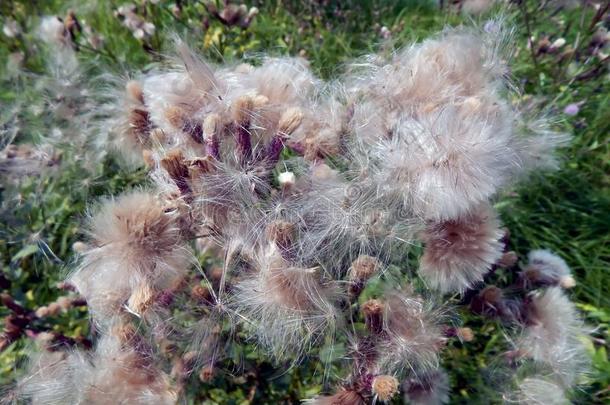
306, 201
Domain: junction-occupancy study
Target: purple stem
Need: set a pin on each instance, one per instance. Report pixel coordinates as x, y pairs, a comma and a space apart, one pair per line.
212, 146
275, 149
244, 144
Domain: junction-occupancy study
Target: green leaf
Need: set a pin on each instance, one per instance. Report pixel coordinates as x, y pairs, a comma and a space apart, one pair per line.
25, 251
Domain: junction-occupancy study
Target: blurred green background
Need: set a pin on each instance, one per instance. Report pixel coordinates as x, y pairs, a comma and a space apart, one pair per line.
561, 63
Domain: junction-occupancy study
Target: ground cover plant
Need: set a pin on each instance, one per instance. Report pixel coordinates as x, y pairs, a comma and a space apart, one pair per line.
266, 241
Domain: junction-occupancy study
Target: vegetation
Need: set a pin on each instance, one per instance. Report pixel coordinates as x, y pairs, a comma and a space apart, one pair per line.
561, 62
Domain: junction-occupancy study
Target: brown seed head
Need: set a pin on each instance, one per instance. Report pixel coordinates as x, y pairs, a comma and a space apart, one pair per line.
385, 387
242, 110
373, 315
201, 294
206, 374
508, 259
290, 120
176, 116
174, 164
465, 334
364, 267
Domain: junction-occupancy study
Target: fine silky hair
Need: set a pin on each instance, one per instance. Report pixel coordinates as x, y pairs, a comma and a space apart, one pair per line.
291, 211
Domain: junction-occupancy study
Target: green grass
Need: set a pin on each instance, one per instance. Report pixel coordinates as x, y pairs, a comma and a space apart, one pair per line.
567, 211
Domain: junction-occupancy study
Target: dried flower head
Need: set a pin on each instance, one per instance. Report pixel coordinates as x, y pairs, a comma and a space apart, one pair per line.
384, 387
289, 308
546, 268
553, 335
461, 251
136, 251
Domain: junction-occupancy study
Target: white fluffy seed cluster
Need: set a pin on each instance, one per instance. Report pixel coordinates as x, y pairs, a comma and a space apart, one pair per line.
420, 144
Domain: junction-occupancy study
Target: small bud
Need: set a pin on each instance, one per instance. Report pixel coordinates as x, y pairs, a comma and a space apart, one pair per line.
216, 274
201, 294
385, 387
65, 303
286, 179
508, 259
42, 312
53, 309
364, 267
373, 315
206, 374
465, 334
567, 282
64, 285
492, 294
80, 247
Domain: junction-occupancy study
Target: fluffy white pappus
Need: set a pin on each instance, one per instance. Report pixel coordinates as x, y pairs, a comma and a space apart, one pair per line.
126, 125
553, 336
447, 162
73, 101
125, 371
226, 196
288, 309
201, 74
179, 100
53, 31
343, 220
429, 389
136, 252
53, 378
173, 100
283, 81
538, 391
119, 370
18, 160
459, 252
537, 141
460, 63
324, 125
550, 267
414, 336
